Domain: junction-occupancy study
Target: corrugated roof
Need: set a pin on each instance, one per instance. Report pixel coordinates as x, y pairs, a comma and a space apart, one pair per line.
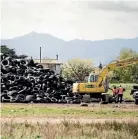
48, 61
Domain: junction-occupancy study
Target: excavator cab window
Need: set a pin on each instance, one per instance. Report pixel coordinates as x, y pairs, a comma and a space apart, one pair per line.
86, 78
96, 78
93, 78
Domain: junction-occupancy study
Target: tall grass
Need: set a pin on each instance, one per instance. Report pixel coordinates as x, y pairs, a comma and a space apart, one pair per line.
67, 130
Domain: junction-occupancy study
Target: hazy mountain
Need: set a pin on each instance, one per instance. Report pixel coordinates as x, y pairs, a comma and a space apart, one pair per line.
100, 51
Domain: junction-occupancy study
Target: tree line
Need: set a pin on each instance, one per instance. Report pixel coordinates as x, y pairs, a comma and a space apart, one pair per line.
128, 74
79, 69
11, 52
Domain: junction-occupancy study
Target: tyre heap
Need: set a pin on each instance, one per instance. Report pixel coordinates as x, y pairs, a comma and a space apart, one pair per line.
24, 81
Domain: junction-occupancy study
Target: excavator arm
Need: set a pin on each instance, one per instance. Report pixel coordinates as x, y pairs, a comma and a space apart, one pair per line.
114, 65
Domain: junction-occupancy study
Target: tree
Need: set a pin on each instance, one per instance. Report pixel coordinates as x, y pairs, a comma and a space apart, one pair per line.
100, 66
6, 51
22, 56
77, 69
11, 52
128, 74
127, 53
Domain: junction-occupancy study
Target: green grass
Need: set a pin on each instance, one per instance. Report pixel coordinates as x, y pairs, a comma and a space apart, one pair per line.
67, 130
10, 110
128, 88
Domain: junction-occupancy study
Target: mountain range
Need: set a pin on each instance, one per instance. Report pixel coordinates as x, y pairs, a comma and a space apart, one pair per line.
99, 51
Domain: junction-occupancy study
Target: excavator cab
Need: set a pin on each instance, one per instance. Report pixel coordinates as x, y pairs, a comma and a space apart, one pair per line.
93, 77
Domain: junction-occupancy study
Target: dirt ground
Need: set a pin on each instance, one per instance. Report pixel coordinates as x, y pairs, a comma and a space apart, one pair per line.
130, 106
44, 119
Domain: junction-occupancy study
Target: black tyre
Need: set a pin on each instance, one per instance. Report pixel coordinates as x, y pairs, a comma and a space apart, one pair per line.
4, 97
29, 98
105, 99
10, 93
13, 99
47, 100
21, 98
39, 100
84, 104
110, 99
136, 101
135, 87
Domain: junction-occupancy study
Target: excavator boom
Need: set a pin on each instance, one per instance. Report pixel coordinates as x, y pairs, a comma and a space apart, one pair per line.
114, 65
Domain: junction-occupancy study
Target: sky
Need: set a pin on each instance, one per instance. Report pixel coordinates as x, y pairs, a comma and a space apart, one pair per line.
70, 19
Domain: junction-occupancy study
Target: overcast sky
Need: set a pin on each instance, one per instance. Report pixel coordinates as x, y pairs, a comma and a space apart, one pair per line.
70, 19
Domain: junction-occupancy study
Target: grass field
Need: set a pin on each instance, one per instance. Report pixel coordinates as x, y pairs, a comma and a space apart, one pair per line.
53, 110
94, 122
57, 121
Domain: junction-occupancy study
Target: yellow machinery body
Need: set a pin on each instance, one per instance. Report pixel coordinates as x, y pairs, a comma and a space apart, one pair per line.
99, 83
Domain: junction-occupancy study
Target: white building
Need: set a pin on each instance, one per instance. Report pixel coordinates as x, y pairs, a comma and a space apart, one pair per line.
52, 64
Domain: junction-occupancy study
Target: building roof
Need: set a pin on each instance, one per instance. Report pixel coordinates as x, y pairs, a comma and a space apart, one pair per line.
48, 61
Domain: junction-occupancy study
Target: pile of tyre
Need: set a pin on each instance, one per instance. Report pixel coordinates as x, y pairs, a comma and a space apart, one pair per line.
134, 92
24, 81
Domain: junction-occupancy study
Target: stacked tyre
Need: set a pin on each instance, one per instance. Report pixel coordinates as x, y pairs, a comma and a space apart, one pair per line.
25, 81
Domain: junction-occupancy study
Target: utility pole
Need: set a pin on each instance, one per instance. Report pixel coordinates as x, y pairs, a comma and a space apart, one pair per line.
40, 54
57, 56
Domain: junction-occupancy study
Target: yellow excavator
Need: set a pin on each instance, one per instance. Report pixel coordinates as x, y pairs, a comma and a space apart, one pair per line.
98, 84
